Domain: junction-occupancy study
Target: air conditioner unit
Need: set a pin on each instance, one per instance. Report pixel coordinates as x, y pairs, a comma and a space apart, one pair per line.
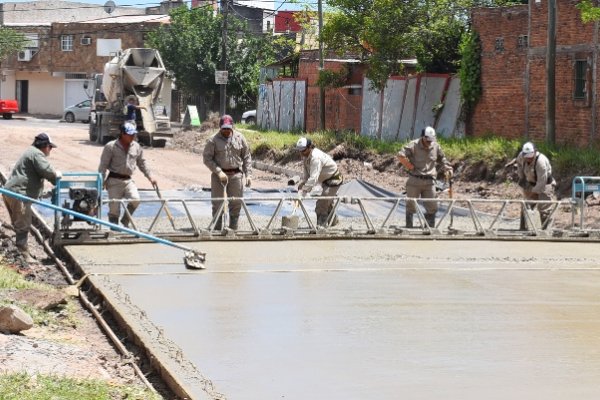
86, 41
25, 55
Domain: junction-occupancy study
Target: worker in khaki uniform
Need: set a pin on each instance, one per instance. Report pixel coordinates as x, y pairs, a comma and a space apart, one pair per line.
120, 158
27, 178
319, 168
535, 178
422, 157
228, 157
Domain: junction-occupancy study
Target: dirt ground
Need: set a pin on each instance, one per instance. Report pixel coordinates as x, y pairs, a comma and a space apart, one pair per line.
81, 349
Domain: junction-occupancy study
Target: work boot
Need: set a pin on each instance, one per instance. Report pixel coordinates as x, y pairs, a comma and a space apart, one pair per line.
27, 257
545, 220
522, 223
430, 218
125, 220
233, 222
335, 220
409, 220
322, 220
21, 239
113, 220
219, 224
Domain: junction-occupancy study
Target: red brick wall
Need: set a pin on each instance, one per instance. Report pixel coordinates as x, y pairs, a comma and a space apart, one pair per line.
501, 108
513, 102
342, 110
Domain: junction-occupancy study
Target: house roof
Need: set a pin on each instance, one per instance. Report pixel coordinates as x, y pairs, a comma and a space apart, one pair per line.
130, 19
44, 11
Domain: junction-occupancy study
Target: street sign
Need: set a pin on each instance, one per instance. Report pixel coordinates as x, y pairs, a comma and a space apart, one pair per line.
221, 77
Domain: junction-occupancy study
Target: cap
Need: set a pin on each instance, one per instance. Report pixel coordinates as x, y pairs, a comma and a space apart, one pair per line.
429, 133
129, 129
528, 150
43, 140
303, 143
226, 122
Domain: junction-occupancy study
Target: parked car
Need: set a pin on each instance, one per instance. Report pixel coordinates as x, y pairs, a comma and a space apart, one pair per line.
78, 112
8, 108
249, 117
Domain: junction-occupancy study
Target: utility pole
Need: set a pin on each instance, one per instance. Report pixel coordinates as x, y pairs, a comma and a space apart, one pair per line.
223, 86
551, 75
321, 68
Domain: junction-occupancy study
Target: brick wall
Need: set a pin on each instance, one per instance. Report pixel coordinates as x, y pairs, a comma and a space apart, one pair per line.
342, 109
513, 102
501, 108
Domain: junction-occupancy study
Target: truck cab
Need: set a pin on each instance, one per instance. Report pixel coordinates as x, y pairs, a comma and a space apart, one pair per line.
8, 108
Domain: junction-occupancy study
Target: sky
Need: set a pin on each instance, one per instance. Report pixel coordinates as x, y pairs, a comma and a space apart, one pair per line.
148, 3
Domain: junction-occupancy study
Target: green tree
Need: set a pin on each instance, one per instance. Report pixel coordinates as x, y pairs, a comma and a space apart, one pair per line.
589, 12
382, 32
10, 42
191, 48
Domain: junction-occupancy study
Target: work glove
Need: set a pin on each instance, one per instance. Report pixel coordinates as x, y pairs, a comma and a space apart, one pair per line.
58, 174
152, 181
449, 173
248, 181
223, 177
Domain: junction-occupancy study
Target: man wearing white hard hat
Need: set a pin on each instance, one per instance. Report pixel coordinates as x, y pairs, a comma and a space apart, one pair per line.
535, 178
319, 169
227, 155
421, 157
27, 178
120, 158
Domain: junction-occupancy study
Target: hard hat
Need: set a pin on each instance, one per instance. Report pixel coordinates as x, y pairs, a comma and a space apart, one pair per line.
429, 133
129, 129
528, 150
303, 143
43, 140
226, 122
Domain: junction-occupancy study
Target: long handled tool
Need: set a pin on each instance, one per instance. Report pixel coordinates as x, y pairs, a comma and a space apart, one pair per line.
193, 259
167, 211
449, 182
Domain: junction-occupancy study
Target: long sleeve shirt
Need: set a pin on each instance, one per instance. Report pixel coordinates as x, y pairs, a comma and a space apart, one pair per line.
425, 160
538, 172
318, 167
28, 174
116, 159
227, 153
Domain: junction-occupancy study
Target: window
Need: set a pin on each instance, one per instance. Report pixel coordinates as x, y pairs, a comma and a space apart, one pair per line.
522, 41
580, 79
66, 42
499, 46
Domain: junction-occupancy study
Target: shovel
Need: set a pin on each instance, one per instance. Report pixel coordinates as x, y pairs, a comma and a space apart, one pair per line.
166, 208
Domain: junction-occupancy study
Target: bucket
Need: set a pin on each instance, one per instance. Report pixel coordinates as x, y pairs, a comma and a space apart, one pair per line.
290, 221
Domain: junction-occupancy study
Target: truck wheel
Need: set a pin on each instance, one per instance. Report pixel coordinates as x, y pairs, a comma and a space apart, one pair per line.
7, 116
93, 134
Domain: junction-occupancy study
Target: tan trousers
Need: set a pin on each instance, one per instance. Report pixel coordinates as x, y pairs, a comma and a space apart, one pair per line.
323, 206
421, 188
121, 189
235, 188
20, 217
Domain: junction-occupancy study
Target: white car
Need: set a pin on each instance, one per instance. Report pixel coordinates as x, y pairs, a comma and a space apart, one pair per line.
249, 117
78, 112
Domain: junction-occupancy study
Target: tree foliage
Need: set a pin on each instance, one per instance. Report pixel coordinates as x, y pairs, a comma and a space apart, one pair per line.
383, 32
11, 42
589, 12
191, 48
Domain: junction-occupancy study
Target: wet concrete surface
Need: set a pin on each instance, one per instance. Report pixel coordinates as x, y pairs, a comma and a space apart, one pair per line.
343, 319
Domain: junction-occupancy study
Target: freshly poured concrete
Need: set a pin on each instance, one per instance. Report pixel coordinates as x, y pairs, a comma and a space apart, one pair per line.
364, 319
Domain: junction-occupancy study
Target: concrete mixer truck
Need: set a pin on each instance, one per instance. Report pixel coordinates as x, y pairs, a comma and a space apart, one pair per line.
132, 76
